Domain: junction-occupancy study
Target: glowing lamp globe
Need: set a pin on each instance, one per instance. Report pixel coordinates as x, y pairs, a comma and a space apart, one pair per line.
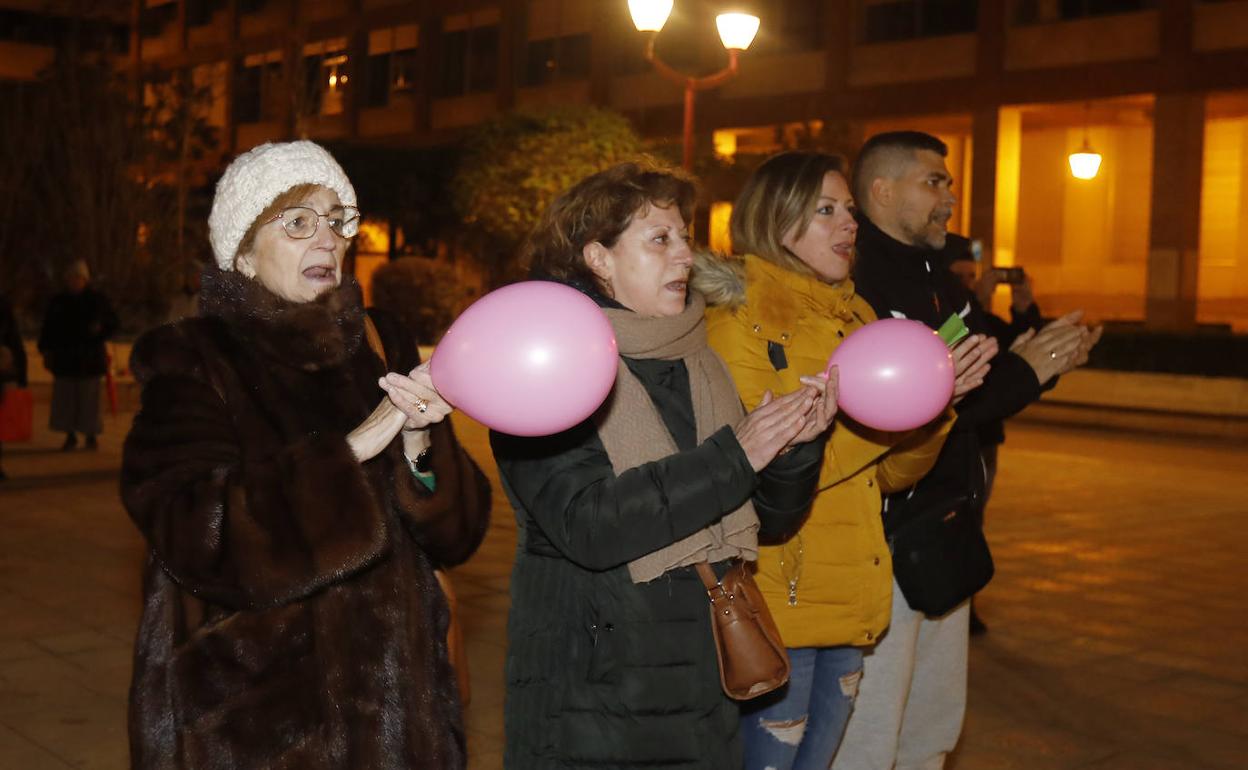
649, 15
737, 30
1084, 164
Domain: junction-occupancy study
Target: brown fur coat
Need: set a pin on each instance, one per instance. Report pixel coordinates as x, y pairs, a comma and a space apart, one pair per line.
291, 618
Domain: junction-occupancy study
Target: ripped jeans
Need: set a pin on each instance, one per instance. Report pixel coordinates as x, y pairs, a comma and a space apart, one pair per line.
799, 726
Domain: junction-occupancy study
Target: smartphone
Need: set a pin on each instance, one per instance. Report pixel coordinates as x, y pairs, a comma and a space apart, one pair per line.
1011, 275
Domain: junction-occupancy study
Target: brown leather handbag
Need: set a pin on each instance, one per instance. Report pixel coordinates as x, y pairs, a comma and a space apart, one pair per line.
752, 658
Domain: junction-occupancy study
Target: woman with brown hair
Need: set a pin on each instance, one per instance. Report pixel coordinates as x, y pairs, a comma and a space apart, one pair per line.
611, 660
285, 484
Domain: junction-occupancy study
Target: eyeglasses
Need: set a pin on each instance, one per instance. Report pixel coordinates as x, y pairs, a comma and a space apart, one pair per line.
302, 222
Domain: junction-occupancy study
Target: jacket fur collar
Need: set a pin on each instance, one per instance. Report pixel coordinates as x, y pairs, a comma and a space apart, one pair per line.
775, 296
310, 336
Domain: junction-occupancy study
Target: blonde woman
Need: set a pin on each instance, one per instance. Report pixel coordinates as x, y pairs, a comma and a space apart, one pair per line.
777, 312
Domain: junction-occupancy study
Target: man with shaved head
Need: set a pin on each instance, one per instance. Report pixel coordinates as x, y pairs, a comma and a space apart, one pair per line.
913, 691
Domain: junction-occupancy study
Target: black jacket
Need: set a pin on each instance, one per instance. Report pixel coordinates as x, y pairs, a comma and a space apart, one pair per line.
902, 281
11, 338
603, 672
74, 331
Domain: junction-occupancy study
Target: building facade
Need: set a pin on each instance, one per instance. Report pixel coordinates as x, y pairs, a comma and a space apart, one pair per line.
1158, 87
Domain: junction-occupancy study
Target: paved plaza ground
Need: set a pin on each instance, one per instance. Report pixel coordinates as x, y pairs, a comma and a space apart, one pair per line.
1118, 634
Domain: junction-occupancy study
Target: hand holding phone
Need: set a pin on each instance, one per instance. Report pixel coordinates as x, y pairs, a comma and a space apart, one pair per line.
1011, 275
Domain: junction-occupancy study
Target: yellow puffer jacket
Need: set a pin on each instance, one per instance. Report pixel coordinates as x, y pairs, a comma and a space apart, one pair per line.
838, 565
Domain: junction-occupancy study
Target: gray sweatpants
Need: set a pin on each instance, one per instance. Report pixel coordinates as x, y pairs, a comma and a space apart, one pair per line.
913, 693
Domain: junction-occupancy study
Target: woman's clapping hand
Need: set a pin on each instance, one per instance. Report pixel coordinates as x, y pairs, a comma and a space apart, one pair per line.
781, 423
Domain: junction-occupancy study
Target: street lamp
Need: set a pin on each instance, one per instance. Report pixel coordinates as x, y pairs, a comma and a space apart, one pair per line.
1085, 163
736, 32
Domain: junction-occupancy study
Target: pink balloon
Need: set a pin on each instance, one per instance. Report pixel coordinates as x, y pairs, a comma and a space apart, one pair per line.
895, 374
529, 359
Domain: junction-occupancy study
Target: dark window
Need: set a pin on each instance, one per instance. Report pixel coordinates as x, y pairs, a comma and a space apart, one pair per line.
377, 94
1076, 8
1033, 11
389, 73
34, 28
257, 90
630, 54
199, 13
251, 6
47, 30
153, 21
247, 95
800, 24
909, 19
557, 58
469, 61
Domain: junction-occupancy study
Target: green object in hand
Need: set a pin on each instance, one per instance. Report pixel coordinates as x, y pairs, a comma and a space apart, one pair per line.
952, 330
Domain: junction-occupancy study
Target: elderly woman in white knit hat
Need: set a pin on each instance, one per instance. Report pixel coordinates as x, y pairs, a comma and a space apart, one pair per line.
296, 500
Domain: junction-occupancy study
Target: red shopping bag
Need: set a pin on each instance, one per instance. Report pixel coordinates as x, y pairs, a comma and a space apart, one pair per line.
17, 414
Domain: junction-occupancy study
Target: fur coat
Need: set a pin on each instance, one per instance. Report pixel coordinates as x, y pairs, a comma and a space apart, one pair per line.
291, 615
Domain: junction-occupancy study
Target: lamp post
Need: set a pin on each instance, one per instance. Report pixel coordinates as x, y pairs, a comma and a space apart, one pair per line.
736, 32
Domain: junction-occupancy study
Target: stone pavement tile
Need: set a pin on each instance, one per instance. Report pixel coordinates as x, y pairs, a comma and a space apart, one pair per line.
88, 733
26, 619
1217, 665
17, 649
46, 683
1232, 719
1031, 746
466, 588
1207, 646
1138, 760
1213, 747
973, 753
77, 641
488, 603
484, 759
1102, 647
1134, 669
17, 752
486, 723
1158, 699
104, 671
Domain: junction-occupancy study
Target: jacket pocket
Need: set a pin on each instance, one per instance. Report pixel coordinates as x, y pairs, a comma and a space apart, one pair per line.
248, 684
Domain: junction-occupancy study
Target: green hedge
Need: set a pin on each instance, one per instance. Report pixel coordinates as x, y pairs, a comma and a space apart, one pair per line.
1214, 352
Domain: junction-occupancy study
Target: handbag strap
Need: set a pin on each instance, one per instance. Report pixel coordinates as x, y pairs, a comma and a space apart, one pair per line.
708, 576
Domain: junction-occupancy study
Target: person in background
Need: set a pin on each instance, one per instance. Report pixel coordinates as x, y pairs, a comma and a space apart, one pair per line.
295, 499
1024, 317
12, 356
910, 707
778, 311
1024, 312
77, 325
611, 660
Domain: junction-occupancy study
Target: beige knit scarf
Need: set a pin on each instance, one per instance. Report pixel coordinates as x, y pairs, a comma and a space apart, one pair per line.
633, 433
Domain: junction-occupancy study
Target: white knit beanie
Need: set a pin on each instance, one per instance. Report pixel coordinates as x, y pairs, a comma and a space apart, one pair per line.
256, 178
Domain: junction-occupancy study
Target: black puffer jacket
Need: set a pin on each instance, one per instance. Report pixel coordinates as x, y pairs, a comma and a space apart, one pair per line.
908, 282
74, 331
603, 672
